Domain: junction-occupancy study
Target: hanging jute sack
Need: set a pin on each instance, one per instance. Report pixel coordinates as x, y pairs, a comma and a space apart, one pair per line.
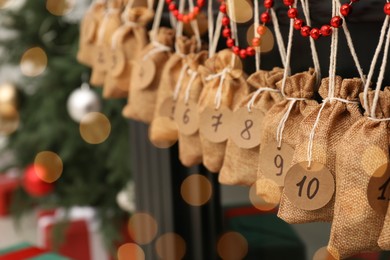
163, 128
186, 112
242, 150
110, 23
146, 76
88, 33
127, 43
224, 87
280, 135
359, 209
308, 194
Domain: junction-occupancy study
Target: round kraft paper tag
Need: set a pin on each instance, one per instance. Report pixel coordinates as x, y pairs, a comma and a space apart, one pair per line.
309, 188
146, 73
247, 129
378, 190
275, 162
167, 108
118, 62
215, 124
186, 117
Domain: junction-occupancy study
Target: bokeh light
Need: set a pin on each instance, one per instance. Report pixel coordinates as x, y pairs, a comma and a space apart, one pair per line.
131, 251
243, 11
60, 7
171, 246
323, 254
232, 246
4, 3
142, 228
163, 137
49, 166
267, 40
9, 119
8, 94
196, 190
95, 128
259, 202
33, 62
373, 158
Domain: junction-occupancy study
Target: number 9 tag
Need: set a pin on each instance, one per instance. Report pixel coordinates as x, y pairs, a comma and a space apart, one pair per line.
309, 189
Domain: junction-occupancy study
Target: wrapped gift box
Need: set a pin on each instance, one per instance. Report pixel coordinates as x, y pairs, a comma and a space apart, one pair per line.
26, 251
8, 184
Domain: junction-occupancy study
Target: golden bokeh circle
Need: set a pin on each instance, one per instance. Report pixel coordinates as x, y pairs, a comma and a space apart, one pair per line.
267, 39
142, 228
95, 128
50, 166
323, 254
130, 251
8, 94
258, 202
33, 62
196, 190
373, 158
5, 4
166, 137
232, 246
170, 246
9, 119
60, 7
243, 11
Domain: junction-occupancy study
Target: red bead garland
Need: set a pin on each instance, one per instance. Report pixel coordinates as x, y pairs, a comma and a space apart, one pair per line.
185, 18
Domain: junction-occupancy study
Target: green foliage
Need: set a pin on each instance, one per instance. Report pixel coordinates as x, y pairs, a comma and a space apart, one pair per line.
93, 174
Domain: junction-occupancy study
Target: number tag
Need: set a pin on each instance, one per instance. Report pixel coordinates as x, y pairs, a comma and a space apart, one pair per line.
214, 124
309, 189
248, 127
275, 162
145, 73
378, 192
186, 117
167, 108
117, 62
100, 61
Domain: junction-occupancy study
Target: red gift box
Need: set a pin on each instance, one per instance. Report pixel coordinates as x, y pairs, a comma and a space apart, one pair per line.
8, 185
27, 251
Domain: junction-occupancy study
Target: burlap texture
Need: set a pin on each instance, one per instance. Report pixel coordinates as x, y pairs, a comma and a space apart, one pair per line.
88, 33
163, 131
190, 149
235, 88
141, 103
336, 118
131, 40
240, 165
300, 85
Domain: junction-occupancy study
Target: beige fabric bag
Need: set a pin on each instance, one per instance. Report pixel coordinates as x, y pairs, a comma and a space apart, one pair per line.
300, 85
141, 102
127, 43
335, 119
163, 128
234, 89
240, 165
363, 148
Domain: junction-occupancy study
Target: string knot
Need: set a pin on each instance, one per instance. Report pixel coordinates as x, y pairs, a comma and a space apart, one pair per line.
222, 75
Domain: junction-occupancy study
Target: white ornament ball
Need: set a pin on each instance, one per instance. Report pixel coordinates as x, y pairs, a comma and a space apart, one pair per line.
83, 101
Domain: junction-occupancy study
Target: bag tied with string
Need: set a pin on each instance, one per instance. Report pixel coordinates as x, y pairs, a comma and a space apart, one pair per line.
146, 76
163, 127
224, 87
242, 150
290, 111
127, 43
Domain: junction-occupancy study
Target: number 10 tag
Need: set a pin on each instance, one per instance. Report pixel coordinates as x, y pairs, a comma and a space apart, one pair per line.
309, 189
378, 194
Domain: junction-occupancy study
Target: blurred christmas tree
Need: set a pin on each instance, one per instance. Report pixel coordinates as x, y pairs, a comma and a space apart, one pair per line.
38, 46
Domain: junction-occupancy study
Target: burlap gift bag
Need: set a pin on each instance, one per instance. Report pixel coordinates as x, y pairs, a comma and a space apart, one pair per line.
88, 32
127, 43
364, 148
163, 128
240, 163
299, 90
336, 117
186, 112
146, 77
224, 87
110, 23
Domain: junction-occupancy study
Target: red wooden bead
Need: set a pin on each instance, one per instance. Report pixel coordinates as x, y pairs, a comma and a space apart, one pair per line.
180, 17
345, 9
229, 42
195, 10
222, 8
185, 19
265, 17
243, 53
172, 6
168, 1
250, 51
288, 2
305, 31
315, 33
225, 21
292, 13
200, 2
226, 33
261, 30
298, 23
175, 13
336, 21
326, 30
268, 3
236, 50
386, 8
256, 42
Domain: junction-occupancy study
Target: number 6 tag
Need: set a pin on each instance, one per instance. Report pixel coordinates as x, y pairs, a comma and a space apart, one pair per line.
186, 117
309, 189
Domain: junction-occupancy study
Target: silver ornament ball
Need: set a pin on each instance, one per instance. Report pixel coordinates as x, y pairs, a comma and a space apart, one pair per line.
83, 101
